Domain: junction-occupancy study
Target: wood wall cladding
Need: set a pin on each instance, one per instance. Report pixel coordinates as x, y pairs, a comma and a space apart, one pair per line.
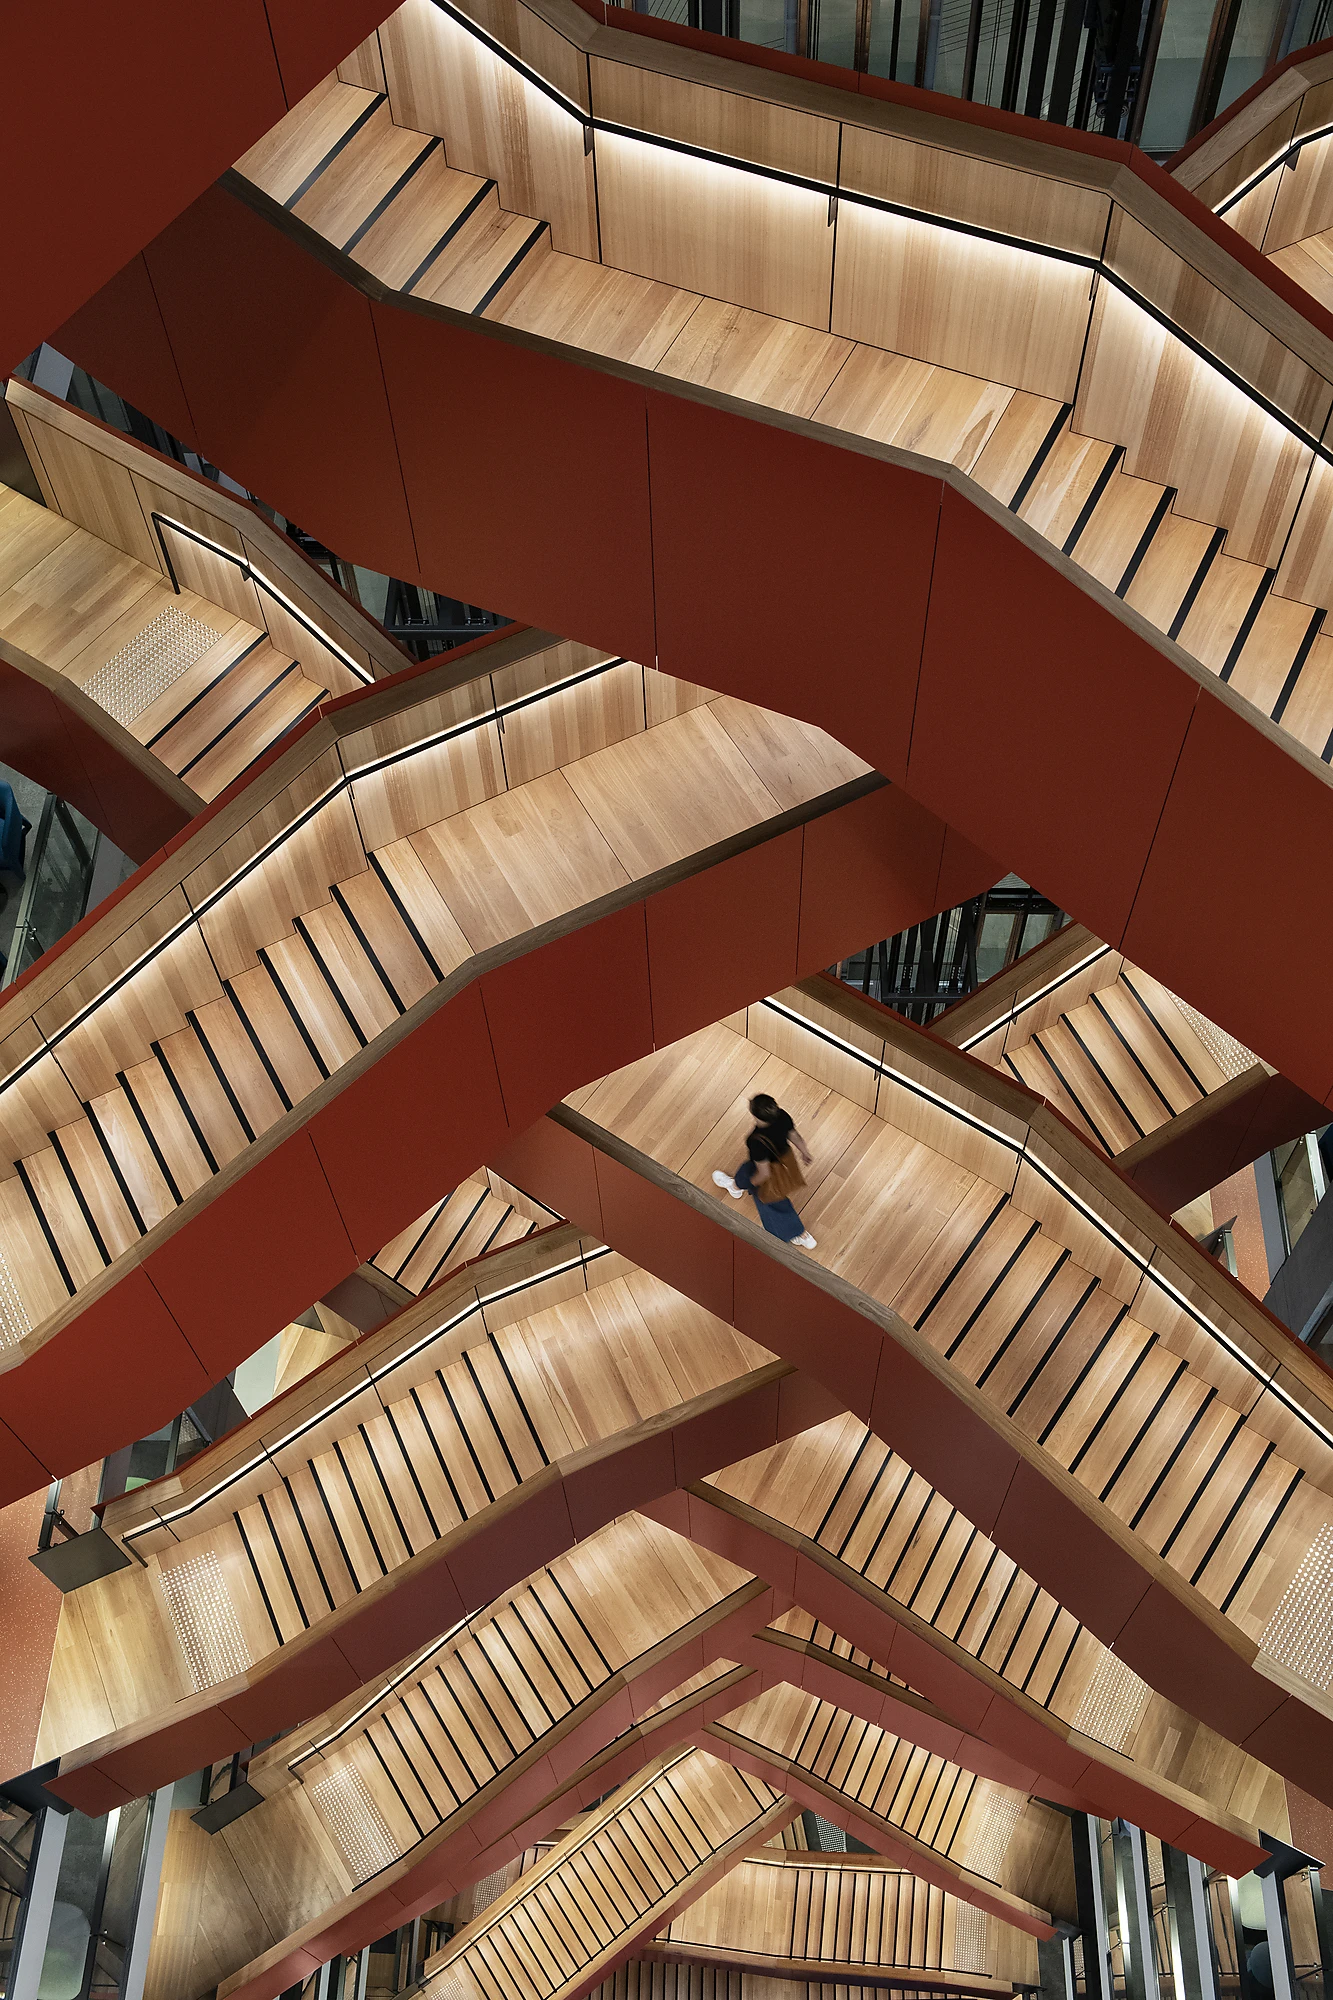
704, 226
960, 301
900, 283
1301, 194
529, 35
1223, 325
494, 123
114, 487
365, 65
1307, 562
977, 191
91, 490
838, 1918
1184, 425
1252, 153
721, 121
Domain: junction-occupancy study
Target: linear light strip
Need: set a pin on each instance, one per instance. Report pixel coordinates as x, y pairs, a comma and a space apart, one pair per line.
1098, 1222
497, 712
263, 582
1289, 151
373, 1376
1053, 986
436, 1646
826, 189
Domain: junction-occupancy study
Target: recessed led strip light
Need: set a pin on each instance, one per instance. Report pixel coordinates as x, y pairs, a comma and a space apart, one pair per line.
1061, 979
372, 1377
1090, 1215
257, 577
339, 785
831, 191
1280, 159
436, 1646
496, 713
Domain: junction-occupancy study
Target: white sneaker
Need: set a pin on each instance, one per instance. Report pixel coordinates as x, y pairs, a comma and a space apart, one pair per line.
806, 1242
725, 1181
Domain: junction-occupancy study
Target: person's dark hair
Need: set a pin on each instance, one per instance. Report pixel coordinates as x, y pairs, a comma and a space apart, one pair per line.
765, 1109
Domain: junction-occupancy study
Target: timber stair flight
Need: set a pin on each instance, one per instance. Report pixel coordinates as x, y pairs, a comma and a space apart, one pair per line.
616, 1554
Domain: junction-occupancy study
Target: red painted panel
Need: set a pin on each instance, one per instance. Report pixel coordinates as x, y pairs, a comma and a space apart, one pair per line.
268, 1245
1094, 698
859, 1617
556, 1166
1173, 1651
823, 1337
120, 338
43, 738
720, 939
413, 1125
957, 1690
864, 543
292, 1969
89, 1791
1054, 1540
1145, 1807
572, 1013
671, 1511
1036, 1741
802, 1403
269, 342
870, 871
665, 1235
306, 1681
609, 1721
1218, 1849
493, 433
1225, 759
955, 1449
511, 1547
135, 812
965, 870
119, 1369
179, 1746
305, 57
149, 111
1293, 1739
1195, 1155
406, 1613
743, 1544
370, 1920
521, 1796
20, 1472
722, 1436
614, 1483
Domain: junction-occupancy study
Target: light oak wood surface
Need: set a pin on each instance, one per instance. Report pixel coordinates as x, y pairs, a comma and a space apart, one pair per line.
899, 317
657, 1841
453, 1409
166, 646
1008, 1268
804, 1917
319, 916
446, 1733
437, 1740
1099, 1038
858, 1510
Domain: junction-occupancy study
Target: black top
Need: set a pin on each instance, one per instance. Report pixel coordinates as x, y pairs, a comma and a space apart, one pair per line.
770, 1141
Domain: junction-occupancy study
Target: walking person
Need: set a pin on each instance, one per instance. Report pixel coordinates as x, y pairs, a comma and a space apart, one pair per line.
770, 1173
